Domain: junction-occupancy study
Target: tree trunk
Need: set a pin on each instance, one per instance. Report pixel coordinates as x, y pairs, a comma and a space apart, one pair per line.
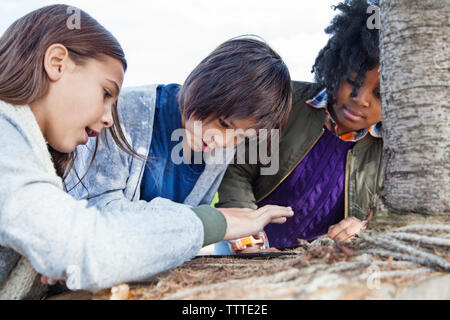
415, 63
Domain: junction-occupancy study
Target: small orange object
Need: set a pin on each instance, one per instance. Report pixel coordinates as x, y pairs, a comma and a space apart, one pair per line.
243, 243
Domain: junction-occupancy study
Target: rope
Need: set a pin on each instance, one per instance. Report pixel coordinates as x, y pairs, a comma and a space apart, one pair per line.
437, 241
429, 227
403, 243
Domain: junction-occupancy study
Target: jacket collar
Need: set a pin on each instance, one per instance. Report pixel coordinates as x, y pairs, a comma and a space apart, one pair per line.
24, 119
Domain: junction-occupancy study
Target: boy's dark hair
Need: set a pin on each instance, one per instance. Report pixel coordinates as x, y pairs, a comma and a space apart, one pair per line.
242, 78
352, 47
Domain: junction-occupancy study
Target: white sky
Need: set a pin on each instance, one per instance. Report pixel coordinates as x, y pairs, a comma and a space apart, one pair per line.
164, 40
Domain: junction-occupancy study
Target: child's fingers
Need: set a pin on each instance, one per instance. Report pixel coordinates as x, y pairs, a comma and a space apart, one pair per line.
347, 233
343, 236
279, 217
270, 213
330, 229
279, 220
242, 224
273, 214
275, 210
348, 222
334, 230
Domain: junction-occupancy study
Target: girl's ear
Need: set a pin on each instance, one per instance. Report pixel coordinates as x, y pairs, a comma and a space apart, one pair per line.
56, 61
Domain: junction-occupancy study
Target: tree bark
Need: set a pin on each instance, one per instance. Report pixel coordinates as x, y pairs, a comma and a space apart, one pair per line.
415, 63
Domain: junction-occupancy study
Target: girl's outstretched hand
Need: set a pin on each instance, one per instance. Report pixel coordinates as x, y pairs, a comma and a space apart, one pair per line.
245, 222
347, 229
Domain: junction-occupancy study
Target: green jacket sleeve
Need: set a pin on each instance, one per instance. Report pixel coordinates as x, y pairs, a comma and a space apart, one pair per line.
214, 224
236, 189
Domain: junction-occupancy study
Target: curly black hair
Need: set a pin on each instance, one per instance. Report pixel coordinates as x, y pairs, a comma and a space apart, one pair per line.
352, 47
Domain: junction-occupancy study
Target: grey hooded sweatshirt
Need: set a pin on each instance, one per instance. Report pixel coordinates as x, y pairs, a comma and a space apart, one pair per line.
63, 238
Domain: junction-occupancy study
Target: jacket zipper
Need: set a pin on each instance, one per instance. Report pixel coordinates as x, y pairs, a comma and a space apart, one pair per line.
290, 171
346, 184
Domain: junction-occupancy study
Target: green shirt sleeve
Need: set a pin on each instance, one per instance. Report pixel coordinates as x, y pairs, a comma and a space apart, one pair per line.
214, 223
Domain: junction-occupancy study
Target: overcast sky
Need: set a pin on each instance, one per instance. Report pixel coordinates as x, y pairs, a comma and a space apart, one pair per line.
165, 40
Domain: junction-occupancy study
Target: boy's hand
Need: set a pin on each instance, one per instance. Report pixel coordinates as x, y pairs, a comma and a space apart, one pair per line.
347, 229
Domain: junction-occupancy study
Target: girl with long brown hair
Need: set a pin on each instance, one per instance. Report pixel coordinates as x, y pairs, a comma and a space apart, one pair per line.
58, 87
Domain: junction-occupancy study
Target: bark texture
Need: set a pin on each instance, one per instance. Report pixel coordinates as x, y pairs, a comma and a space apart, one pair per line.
415, 80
